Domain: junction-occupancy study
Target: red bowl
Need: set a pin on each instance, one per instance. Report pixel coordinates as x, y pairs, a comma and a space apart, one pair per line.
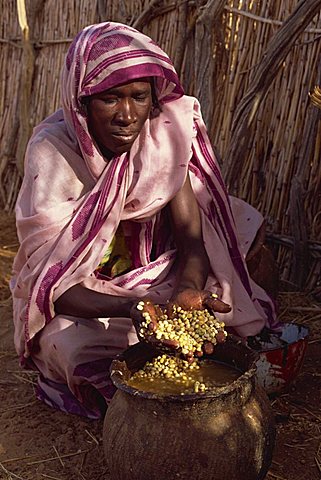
278, 366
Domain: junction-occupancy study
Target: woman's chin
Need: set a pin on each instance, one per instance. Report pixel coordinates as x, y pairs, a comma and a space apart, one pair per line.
116, 151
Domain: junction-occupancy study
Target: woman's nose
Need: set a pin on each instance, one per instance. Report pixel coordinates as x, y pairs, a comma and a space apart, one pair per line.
126, 113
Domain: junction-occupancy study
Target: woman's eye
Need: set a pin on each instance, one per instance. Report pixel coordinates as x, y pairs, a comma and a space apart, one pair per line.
141, 98
110, 101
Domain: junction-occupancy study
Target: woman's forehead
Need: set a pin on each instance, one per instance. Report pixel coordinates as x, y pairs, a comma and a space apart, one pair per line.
143, 81
132, 86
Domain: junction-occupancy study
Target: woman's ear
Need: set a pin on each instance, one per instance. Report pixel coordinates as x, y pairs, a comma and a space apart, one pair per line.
155, 112
156, 107
84, 102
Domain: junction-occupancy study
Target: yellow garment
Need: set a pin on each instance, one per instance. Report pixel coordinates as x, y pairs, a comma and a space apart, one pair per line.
117, 258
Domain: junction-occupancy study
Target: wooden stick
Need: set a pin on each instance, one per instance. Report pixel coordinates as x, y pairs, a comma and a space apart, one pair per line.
181, 37
26, 380
59, 457
25, 87
92, 436
143, 17
68, 455
16, 459
309, 412
277, 477
10, 473
49, 476
18, 407
258, 18
305, 309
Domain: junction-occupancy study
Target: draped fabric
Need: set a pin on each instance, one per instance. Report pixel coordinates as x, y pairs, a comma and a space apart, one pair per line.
72, 201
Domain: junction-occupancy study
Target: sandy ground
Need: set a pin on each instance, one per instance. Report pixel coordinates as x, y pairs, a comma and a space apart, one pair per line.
38, 443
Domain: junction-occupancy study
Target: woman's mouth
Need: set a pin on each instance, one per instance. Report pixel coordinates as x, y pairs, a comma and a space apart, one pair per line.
124, 137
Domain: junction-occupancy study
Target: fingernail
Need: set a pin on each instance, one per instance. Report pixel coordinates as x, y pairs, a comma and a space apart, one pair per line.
208, 348
152, 326
220, 337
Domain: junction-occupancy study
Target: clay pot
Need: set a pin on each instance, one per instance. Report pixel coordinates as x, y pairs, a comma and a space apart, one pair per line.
225, 434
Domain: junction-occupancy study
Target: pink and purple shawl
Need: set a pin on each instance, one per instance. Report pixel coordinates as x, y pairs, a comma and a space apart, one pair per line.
71, 201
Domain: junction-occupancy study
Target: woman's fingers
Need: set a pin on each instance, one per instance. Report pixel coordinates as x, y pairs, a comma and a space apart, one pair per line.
162, 344
220, 337
136, 316
217, 305
139, 312
150, 311
170, 310
172, 344
208, 348
146, 315
146, 311
190, 299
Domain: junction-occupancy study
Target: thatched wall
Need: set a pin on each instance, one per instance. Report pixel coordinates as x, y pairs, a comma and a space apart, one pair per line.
270, 154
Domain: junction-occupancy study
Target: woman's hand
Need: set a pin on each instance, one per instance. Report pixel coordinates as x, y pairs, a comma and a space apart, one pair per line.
138, 314
191, 299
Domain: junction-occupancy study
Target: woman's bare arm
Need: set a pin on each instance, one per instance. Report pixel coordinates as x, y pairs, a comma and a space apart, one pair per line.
193, 261
79, 301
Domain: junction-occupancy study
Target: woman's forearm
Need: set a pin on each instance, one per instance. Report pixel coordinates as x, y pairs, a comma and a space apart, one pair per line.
79, 301
193, 270
193, 262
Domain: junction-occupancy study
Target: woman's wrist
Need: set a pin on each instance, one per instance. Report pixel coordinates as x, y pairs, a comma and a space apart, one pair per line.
193, 272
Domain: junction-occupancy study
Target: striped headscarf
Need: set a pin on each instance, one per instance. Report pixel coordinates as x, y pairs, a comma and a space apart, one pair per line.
101, 57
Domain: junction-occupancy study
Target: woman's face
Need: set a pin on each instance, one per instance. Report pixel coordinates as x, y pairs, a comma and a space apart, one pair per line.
116, 116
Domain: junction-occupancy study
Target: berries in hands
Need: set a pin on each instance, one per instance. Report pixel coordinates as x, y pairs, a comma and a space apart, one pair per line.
192, 332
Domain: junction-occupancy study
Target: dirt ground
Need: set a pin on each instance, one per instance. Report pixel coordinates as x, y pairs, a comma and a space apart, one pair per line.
38, 443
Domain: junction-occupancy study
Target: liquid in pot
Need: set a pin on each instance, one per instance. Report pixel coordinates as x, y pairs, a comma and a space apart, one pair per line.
167, 375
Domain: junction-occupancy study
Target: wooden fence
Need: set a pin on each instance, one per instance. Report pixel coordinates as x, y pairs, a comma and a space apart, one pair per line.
251, 63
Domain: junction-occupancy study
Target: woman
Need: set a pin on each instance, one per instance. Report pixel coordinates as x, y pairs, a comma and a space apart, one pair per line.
122, 199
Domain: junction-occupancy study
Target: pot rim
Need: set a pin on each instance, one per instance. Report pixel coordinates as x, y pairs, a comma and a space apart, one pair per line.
119, 368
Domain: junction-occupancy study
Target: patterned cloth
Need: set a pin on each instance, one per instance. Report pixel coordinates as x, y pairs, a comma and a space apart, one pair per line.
71, 204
